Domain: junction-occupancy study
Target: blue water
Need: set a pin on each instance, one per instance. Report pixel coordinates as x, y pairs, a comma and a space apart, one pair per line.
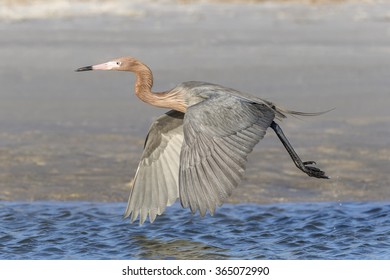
83, 230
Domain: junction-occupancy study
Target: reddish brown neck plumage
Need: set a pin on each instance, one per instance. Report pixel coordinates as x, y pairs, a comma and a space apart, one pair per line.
143, 89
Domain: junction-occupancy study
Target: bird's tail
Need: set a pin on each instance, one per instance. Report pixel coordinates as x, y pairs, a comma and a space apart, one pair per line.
281, 113
305, 114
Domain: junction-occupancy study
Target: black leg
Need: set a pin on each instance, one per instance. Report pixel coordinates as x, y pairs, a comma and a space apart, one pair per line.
304, 166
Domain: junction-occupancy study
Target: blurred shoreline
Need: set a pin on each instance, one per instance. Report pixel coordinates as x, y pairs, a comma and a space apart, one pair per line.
21, 10
78, 136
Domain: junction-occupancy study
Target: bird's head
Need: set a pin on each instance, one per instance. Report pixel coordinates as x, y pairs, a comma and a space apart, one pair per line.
126, 63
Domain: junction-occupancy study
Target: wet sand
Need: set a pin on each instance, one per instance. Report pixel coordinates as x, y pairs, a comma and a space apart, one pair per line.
78, 136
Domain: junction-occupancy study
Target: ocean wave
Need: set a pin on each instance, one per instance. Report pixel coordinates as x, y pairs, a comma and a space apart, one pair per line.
43, 9
17, 10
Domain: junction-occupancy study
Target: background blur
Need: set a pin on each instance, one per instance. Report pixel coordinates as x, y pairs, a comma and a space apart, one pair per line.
78, 136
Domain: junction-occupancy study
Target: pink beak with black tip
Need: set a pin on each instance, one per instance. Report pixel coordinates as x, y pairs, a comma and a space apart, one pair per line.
111, 65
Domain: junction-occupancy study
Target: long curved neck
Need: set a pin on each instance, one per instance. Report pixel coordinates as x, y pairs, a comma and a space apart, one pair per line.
143, 89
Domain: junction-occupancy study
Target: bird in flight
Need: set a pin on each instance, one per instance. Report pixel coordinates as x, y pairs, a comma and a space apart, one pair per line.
197, 151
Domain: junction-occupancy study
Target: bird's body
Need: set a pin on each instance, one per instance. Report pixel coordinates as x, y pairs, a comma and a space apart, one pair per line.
197, 151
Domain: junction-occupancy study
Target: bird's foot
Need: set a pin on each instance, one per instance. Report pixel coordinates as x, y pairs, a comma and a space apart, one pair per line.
313, 171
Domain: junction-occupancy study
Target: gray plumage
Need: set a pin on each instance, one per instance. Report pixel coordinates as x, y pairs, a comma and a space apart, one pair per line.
219, 133
199, 156
197, 151
155, 184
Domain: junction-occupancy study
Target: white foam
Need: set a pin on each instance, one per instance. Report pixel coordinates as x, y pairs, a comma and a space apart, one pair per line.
41, 9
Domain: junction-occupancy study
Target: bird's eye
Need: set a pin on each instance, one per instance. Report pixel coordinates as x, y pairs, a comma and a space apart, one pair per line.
118, 63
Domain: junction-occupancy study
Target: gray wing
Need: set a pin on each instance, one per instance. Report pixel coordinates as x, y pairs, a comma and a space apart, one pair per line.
155, 184
219, 133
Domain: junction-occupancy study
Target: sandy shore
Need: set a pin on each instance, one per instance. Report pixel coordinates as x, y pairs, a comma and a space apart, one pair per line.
78, 136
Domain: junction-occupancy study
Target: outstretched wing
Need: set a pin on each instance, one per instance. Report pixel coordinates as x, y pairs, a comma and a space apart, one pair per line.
155, 184
219, 133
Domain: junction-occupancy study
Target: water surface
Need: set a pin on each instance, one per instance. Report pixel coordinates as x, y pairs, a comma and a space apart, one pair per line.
78, 136
54, 230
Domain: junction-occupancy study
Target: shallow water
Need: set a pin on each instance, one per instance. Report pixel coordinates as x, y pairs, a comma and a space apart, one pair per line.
84, 230
72, 136
79, 136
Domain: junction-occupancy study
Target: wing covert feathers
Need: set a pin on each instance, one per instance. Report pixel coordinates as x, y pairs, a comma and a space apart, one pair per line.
200, 156
219, 133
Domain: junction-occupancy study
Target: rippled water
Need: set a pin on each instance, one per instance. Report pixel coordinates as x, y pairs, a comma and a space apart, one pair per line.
53, 230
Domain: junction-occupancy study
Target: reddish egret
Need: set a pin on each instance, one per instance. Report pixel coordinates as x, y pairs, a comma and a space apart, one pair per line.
198, 150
